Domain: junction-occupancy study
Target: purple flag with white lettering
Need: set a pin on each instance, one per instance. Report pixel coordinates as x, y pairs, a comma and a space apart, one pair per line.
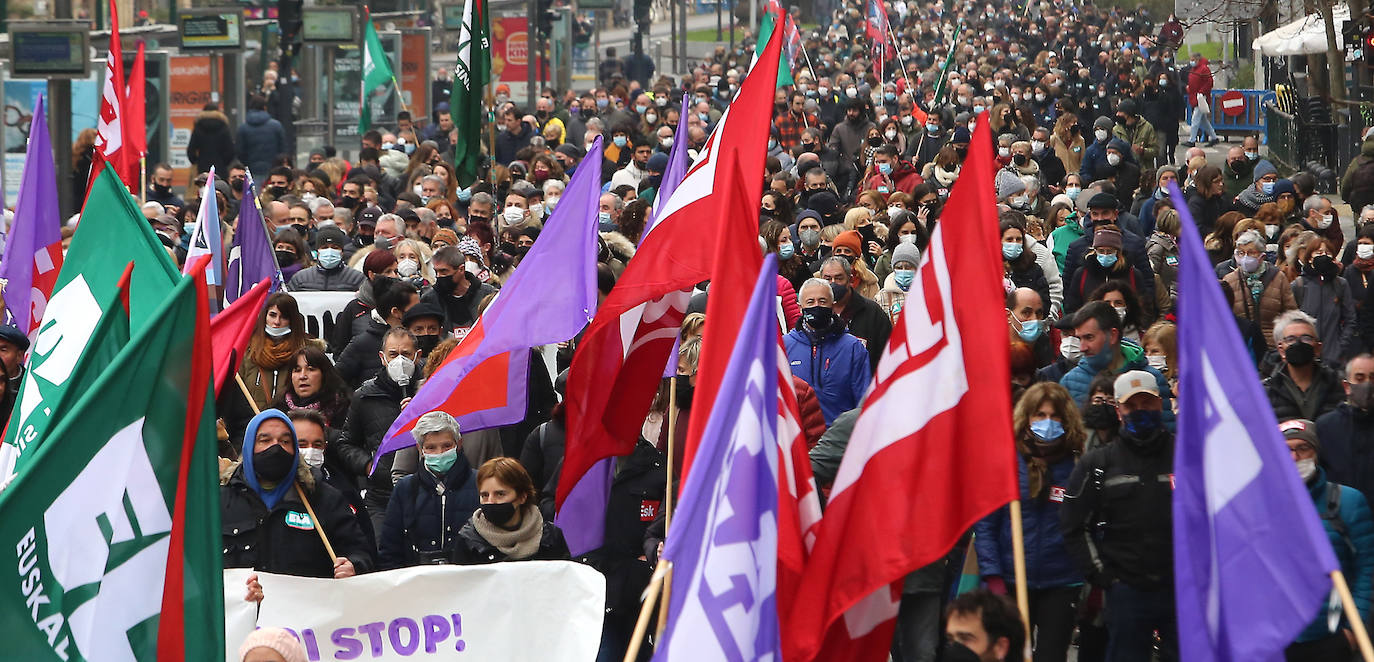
251, 255
33, 249
724, 538
1252, 562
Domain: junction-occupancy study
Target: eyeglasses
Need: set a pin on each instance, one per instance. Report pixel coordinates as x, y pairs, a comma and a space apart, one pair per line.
1303, 448
1288, 340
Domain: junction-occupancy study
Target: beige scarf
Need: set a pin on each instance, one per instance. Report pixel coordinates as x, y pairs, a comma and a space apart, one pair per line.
517, 545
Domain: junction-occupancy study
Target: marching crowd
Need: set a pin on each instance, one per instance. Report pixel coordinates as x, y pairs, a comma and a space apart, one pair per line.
1086, 105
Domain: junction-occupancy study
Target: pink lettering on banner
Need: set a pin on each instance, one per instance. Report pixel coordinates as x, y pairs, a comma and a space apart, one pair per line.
400, 636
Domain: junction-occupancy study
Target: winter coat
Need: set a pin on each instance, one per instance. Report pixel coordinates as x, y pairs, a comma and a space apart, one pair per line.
459, 311
1048, 563
543, 452
473, 549
1163, 107
835, 364
261, 140
1133, 246
1276, 296
1324, 394
1031, 276
283, 539
375, 407
1332, 304
1362, 291
787, 296
266, 385
1051, 167
423, 518
212, 144
1200, 82
1093, 157
1163, 252
1093, 275
1350, 528
1116, 518
866, 321
1132, 357
319, 279
358, 362
848, 137
1347, 437
903, 178
1205, 211
507, 143
812, 420
1044, 258
1060, 240
891, 298
1141, 135
1357, 185
353, 319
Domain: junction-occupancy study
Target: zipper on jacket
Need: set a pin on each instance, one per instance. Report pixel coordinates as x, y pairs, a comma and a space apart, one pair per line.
443, 513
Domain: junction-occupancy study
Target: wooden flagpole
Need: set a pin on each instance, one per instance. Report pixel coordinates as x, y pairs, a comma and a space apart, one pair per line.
1353, 615
668, 505
1018, 550
645, 611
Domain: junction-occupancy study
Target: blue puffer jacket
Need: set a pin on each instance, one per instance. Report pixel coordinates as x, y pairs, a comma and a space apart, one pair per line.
1093, 156
834, 363
1048, 563
261, 139
421, 518
1357, 565
1078, 380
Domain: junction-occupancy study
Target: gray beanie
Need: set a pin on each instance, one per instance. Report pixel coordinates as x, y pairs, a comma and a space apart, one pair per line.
906, 253
1008, 184
1264, 167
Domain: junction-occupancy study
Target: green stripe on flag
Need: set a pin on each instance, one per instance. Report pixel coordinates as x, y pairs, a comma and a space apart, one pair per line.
376, 72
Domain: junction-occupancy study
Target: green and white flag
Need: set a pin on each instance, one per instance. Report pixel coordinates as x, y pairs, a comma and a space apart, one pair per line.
376, 72
470, 75
112, 233
115, 531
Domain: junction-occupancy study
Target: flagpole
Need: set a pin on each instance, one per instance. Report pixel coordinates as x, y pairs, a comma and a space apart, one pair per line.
1353, 615
647, 610
668, 503
143, 176
400, 95
1018, 552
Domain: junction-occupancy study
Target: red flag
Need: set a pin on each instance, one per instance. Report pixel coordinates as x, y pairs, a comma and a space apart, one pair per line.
111, 141
732, 283
620, 359
799, 507
231, 329
932, 451
136, 127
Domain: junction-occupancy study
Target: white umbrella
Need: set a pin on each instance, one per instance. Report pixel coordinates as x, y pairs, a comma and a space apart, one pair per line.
1304, 36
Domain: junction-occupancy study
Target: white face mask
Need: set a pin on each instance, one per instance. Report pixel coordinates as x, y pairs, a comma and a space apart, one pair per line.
1271, 230
513, 215
1113, 159
892, 211
418, 191
551, 201
890, 134
407, 268
1100, 134
1037, 146
312, 457
1158, 362
1364, 251
537, 211
472, 268
1307, 468
1070, 349
400, 369
1325, 222
277, 331
1004, 152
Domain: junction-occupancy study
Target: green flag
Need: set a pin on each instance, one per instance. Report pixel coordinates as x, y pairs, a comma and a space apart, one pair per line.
376, 72
766, 33
470, 75
112, 233
123, 509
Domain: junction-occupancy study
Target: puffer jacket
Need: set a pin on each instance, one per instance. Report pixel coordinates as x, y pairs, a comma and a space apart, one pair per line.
261, 140
1333, 306
212, 143
834, 364
425, 516
376, 404
1347, 436
1357, 185
1048, 563
473, 549
1275, 297
352, 319
1349, 524
1061, 239
1078, 380
319, 279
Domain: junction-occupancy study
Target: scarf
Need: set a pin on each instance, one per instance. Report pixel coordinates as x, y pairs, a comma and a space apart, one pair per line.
517, 545
1039, 456
276, 354
1363, 264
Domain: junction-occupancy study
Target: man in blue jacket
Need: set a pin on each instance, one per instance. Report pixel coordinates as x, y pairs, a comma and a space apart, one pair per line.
824, 355
1345, 516
1098, 329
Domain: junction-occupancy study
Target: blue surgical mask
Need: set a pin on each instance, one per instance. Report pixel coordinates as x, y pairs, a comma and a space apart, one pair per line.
705, 117
641, 108
885, 168
1012, 251
1073, 191
786, 251
441, 462
619, 141
1047, 429
977, 110
464, 194
604, 219
904, 277
1267, 187
890, 96
1030, 330
331, 258
1107, 260
1253, 156
602, 103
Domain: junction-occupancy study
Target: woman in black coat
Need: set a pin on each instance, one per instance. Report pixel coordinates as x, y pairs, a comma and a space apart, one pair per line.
1018, 262
428, 507
508, 526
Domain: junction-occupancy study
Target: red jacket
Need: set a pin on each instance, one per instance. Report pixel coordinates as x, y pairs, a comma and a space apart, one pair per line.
812, 420
791, 312
904, 178
1199, 82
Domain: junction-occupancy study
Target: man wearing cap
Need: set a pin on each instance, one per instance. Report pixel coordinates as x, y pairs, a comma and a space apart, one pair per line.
1350, 528
1348, 430
1136, 131
329, 274
1104, 209
13, 344
1098, 329
1116, 521
426, 322
1261, 190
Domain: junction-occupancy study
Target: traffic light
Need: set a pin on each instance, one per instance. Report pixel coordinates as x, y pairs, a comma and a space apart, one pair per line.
290, 19
1367, 40
642, 9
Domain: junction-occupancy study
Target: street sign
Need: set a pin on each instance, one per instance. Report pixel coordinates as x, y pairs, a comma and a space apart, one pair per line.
210, 29
1232, 103
330, 25
48, 49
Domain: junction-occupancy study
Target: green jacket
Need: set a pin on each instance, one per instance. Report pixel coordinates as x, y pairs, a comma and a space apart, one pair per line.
1234, 182
1141, 135
1061, 238
1366, 153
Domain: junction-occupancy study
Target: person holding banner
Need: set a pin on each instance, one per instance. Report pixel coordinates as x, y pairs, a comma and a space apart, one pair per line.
429, 505
277, 511
508, 526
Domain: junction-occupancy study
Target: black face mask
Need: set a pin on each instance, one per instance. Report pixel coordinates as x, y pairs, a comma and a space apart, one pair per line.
276, 191
838, 291
285, 258
1325, 266
302, 230
272, 464
809, 147
684, 390
818, 318
363, 240
499, 513
875, 141
1100, 417
427, 343
444, 284
1019, 159
957, 652
162, 190
1300, 354
347, 202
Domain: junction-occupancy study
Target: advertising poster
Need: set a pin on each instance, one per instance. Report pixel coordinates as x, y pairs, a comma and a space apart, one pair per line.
510, 49
188, 92
414, 71
19, 97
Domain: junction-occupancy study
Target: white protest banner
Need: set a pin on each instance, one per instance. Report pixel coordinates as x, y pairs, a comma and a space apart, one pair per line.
531, 610
321, 309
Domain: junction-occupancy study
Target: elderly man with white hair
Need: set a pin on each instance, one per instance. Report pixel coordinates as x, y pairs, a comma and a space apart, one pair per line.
1302, 386
824, 355
430, 506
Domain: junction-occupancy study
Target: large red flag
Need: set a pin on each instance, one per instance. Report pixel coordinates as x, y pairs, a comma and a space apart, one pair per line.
136, 119
799, 507
620, 359
932, 451
112, 140
232, 328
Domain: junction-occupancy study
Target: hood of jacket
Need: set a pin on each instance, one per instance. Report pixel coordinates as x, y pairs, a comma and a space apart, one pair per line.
619, 245
257, 117
250, 477
211, 119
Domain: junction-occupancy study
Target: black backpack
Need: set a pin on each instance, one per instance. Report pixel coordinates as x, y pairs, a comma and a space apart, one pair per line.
1331, 513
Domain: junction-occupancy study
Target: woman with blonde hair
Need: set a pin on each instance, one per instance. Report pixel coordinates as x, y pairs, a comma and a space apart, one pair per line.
1160, 343
1049, 439
1067, 142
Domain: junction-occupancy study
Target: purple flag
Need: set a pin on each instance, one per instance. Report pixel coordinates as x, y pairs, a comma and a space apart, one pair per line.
33, 250
251, 255
583, 515
205, 238
724, 539
1251, 557
549, 299
673, 174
